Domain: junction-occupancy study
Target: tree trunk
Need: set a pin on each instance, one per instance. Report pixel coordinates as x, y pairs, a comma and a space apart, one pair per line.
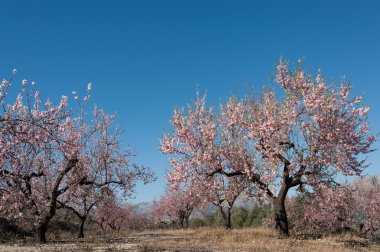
41, 232
226, 217
180, 223
181, 219
280, 216
42, 225
228, 223
187, 222
81, 228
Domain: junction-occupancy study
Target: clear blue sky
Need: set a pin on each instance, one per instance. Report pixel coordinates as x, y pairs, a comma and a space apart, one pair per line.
146, 57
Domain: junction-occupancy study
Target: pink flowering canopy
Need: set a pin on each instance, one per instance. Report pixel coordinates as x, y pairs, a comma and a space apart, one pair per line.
354, 207
40, 146
175, 207
53, 156
111, 214
314, 131
304, 136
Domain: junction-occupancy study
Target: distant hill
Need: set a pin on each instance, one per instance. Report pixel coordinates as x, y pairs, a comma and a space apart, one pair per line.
143, 207
373, 180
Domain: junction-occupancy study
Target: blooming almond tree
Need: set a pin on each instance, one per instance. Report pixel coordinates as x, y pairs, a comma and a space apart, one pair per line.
329, 210
40, 149
110, 214
314, 132
223, 194
44, 154
354, 207
366, 194
175, 207
305, 136
164, 212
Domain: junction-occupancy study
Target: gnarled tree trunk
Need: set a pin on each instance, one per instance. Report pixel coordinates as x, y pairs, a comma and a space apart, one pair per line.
280, 216
41, 233
43, 223
42, 227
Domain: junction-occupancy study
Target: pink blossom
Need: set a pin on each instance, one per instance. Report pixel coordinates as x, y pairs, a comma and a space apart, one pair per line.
24, 83
313, 131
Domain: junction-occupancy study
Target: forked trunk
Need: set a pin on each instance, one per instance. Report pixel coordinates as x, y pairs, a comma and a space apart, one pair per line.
43, 223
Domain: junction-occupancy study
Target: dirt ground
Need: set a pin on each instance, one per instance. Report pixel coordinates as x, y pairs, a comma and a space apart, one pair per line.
203, 239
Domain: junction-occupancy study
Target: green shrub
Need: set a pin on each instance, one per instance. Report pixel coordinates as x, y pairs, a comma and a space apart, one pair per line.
197, 222
239, 217
257, 215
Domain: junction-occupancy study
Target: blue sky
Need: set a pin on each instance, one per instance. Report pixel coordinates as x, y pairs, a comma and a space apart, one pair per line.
146, 57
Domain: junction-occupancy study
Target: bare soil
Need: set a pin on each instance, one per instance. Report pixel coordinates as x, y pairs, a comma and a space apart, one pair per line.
203, 239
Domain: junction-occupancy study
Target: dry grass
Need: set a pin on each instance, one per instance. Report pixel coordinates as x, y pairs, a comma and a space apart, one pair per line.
203, 239
260, 239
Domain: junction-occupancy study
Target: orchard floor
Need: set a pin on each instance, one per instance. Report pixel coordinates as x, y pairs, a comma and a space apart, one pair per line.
203, 239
